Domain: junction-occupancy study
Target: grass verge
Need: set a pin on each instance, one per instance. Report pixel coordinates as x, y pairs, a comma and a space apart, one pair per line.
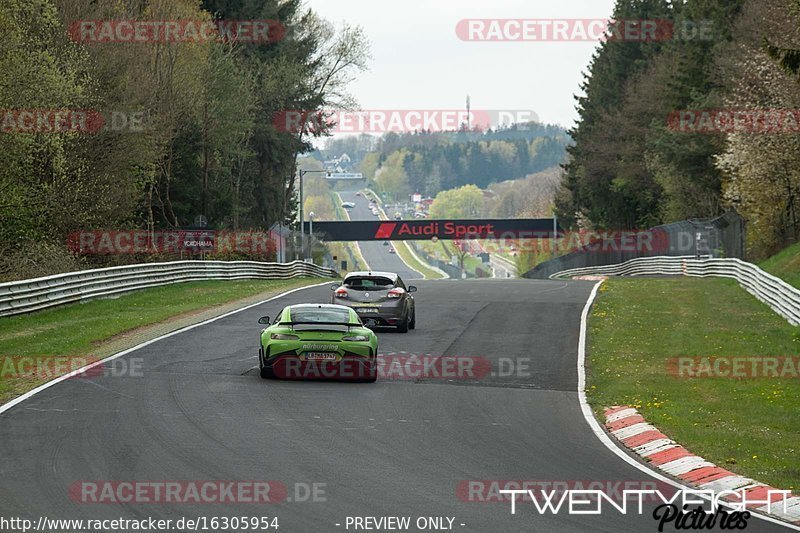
99, 328
448, 249
352, 248
404, 251
785, 264
746, 425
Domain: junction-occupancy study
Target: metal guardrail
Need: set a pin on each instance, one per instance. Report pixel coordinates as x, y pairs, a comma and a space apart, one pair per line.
29, 295
722, 236
783, 298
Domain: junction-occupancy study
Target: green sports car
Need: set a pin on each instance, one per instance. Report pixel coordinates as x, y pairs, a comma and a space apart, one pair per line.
318, 341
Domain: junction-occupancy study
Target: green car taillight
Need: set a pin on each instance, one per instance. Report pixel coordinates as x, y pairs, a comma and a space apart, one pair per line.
356, 338
283, 337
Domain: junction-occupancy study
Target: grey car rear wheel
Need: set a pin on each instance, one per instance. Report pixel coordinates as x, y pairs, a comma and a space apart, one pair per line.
403, 326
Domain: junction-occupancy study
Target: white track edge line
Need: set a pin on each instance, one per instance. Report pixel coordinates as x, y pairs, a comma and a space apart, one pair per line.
8, 405
588, 415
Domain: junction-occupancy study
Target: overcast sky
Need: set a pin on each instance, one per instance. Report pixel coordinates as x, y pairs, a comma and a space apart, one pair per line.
420, 63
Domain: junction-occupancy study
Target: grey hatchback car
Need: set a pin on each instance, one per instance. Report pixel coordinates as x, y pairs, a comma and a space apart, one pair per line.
381, 299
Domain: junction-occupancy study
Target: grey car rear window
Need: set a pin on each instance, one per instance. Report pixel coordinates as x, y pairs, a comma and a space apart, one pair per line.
368, 283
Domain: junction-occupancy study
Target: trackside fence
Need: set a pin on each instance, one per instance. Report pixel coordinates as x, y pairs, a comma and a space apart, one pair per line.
723, 236
25, 296
783, 298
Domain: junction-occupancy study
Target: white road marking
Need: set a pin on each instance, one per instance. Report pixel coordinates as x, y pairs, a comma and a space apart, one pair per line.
633, 430
789, 511
684, 465
594, 425
6, 406
658, 445
625, 413
728, 483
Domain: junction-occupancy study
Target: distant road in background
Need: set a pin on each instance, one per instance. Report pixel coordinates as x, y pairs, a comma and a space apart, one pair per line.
375, 253
502, 267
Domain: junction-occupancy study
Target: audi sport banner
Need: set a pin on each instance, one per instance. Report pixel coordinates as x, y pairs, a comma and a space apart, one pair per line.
379, 230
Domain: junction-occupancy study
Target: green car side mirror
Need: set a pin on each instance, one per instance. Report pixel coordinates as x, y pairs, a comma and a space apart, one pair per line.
263, 320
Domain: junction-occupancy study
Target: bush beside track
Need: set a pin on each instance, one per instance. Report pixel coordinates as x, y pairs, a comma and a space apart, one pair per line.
100, 328
747, 425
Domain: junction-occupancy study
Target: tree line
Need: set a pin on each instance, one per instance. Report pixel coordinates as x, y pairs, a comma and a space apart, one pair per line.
641, 156
430, 162
186, 129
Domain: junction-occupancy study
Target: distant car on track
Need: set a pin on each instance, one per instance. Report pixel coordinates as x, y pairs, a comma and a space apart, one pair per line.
318, 340
392, 250
380, 299
348, 205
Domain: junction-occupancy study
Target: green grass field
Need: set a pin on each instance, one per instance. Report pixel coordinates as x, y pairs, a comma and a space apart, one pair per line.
785, 264
447, 249
750, 426
82, 329
404, 251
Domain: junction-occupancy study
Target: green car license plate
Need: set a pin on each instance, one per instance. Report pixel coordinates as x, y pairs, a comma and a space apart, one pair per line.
320, 356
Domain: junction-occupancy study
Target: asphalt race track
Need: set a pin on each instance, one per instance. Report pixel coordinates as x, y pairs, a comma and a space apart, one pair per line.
374, 252
399, 447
